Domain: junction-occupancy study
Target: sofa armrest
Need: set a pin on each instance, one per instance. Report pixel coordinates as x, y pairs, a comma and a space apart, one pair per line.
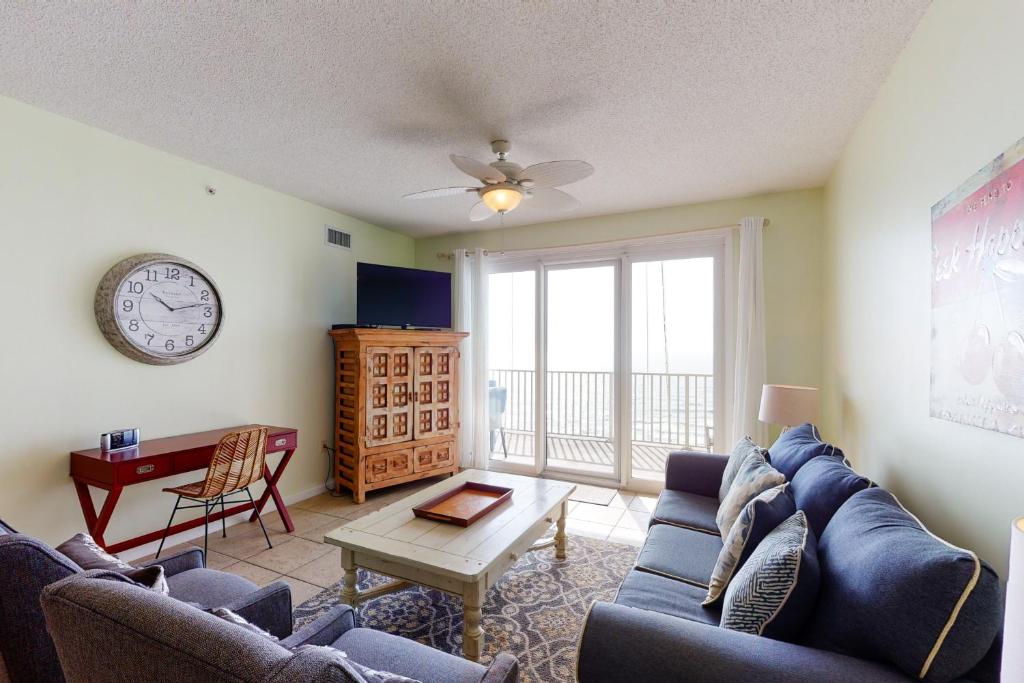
504, 669
270, 608
677, 649
695, 472
324, 630
190, 558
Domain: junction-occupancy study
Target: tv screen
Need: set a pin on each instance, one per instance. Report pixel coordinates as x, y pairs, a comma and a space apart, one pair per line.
386, 295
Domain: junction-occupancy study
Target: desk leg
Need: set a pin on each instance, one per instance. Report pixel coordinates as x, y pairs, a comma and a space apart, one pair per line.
97, 524
271, 490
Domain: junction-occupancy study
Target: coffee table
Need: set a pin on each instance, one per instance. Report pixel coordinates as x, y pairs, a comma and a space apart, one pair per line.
464, 561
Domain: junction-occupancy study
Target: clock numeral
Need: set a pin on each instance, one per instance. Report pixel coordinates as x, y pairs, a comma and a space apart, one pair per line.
172, 274
127, 305
191, 281
150, 275
149, 339
204, 295
134, 287
189, 340
202, 329
169, 345
208, 312
133, 325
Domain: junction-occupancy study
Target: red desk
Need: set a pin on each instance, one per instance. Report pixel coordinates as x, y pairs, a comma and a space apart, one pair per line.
167, 457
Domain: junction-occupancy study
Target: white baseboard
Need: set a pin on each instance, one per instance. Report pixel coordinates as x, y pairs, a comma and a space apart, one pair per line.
150, 548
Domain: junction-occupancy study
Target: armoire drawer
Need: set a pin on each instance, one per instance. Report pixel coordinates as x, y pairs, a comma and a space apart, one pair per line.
388, 465
433, 457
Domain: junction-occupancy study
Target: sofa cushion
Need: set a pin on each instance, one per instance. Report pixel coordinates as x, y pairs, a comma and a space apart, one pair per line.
759, 517
822, 485
681, 554
739, 453
87, 554
773, 593
796, 446
209, 588
893, 591
240, 621
754, 476
660, 594
385, 652
686, 510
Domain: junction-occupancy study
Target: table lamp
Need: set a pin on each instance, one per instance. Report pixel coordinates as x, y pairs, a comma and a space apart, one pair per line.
788, 405
1013, 633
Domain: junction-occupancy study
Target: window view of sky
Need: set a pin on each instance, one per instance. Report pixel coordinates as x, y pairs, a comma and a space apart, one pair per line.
672, 318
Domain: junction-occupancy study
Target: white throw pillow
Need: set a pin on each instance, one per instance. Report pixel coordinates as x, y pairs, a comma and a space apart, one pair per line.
740, 451
753, 476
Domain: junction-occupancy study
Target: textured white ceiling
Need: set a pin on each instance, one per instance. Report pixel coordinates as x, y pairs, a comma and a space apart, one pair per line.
353, 104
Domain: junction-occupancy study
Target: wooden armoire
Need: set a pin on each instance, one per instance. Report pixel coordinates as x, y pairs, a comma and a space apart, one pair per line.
396, 412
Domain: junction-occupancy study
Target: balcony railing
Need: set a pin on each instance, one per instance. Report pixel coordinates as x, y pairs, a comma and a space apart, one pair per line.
666, 408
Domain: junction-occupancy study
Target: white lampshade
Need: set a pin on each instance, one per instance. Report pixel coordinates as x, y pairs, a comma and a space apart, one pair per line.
502, 198
788, 405
1013, 635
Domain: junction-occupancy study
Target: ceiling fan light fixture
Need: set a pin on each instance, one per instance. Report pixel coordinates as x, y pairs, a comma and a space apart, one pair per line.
502, 199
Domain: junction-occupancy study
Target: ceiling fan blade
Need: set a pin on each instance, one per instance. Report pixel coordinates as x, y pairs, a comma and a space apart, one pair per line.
439, 192
475, 169
550, 199
480, 212
554, 173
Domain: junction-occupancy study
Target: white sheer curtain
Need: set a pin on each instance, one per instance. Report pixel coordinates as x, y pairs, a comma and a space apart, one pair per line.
470, 315
750, 362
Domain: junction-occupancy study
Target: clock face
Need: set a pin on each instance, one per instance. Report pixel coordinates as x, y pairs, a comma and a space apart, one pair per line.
158, 309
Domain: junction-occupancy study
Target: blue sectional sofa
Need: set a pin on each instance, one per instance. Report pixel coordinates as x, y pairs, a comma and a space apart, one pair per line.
895, 602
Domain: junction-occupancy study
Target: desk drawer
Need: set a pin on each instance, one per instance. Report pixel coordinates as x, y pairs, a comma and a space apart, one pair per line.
434, 457
282, 442
134, 472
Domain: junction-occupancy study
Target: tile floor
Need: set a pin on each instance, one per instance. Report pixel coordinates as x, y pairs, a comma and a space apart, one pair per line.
309, 565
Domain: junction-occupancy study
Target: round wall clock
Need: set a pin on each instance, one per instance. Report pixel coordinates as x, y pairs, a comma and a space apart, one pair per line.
159, 309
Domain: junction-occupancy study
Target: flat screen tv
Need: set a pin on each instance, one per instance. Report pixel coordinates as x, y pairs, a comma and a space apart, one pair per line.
402, 297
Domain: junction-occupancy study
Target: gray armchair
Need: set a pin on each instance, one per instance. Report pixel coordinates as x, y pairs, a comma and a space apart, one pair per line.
27, 565
108, 630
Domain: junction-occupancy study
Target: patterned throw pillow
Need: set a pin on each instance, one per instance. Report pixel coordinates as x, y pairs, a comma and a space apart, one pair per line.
740, 451
773, 593
87, 554
238, 620
753, 476
758, 518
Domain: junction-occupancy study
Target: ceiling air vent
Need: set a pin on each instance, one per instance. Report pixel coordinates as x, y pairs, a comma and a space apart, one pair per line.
337, 238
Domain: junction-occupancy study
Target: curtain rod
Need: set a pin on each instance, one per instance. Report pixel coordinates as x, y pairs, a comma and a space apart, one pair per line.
450, 254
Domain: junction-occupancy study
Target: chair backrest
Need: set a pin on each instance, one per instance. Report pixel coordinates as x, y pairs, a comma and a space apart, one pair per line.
237, 462
108, 630
27, 565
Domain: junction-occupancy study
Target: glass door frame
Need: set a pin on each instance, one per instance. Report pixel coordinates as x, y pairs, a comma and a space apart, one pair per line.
718, 243
616, 474
718, 250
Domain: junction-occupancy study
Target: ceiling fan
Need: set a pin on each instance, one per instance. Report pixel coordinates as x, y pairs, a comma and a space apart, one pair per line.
506, 184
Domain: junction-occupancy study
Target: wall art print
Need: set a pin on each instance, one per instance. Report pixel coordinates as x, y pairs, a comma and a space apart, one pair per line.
977, 363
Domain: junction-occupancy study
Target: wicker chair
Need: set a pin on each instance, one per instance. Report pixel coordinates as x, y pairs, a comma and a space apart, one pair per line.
238, 462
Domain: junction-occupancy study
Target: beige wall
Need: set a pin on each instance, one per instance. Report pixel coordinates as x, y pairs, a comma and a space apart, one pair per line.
791, 261
73, 201
952, 102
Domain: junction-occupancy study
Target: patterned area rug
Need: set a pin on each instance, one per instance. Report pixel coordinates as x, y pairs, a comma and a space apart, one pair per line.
535, 612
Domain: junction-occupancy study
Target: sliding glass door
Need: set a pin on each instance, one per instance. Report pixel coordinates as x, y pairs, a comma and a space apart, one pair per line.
581, 350
599, 368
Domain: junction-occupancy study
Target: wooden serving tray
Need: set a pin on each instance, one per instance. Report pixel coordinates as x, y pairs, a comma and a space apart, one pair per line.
463, 505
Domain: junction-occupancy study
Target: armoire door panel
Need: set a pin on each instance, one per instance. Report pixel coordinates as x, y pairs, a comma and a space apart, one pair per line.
389, 400
434, 382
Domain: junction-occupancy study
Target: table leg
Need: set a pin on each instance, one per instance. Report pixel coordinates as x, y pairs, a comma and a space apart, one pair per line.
472, 632
348, 589
99, 523
271, 491
560, 531
85, 501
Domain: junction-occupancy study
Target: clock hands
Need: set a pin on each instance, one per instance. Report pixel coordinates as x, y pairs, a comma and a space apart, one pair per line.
163, 302
190, 306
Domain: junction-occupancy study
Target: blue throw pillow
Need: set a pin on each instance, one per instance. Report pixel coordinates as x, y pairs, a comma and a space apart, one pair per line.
892, 591
759, 518
821, 487
773, 593
796, 446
